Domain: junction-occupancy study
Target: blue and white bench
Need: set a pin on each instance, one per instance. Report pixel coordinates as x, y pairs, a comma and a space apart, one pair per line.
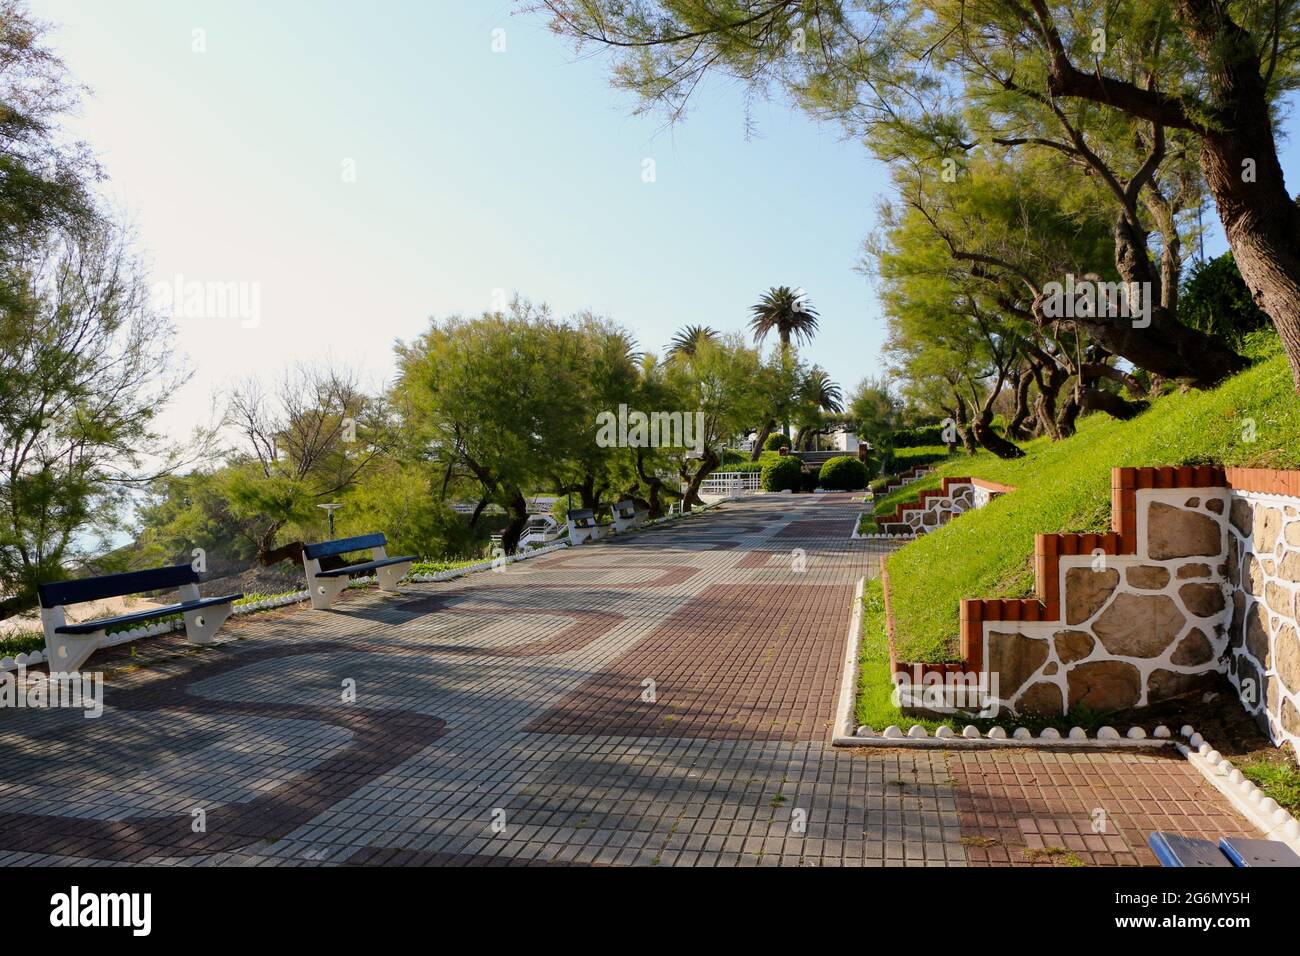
582, 525
626, 517
68, 646
1171, 849
325, 586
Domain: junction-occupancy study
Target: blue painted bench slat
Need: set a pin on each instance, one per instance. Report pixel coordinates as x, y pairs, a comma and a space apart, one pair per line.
365, 566
1244, 852
1174, 850
90, 627
57, 593
332, 549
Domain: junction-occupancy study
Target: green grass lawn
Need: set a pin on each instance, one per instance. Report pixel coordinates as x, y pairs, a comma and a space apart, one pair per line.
1253, 419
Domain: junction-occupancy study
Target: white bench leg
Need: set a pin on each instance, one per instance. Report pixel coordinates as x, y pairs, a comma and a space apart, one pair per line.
323, 591
201, 626
65, 653
389, 576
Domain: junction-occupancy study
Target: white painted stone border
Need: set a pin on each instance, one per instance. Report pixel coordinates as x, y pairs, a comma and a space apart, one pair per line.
844, 733
1275, 822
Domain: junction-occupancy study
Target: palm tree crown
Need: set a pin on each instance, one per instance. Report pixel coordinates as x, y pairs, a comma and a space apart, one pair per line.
820, 390
691, 337
787, 312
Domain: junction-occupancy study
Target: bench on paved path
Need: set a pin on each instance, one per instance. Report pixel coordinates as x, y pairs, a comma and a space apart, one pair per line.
325, 586
1174, 850
68, 646
583, 526
625, 515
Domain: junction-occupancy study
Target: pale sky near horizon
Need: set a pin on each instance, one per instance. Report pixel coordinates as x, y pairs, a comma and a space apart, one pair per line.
475, 171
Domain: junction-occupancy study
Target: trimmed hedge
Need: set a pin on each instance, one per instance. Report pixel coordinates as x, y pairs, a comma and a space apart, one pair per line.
776, 441
912, 437
783, 474
844, 473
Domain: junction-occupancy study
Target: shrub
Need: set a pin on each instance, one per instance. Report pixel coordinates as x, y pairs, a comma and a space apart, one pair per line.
782, 474
844, 473
808, 480
776, 441
912, 437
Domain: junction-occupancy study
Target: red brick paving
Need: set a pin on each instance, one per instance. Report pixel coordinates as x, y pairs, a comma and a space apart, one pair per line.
1053, 808
738, 661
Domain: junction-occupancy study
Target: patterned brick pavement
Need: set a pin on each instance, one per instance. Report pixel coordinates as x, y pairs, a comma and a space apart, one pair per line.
505, 719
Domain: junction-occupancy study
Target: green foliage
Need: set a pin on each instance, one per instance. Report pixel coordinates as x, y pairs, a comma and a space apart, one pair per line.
1281, 781
1215, 299
776, 441
1250, 420
782, 474
844, 473
931, 435
787, 312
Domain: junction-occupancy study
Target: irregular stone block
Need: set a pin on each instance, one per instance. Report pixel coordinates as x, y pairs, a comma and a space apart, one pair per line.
1288, 657
1013, 657
1195, 648
1289, 567
1104, 685
1163, 684
1278, 598
1266, 526
1148, 577
1257, 634
1073, 646
1195, 570
1086, 591
1241, 515
1042, 697
1203, 600
1173, 532
1139, 625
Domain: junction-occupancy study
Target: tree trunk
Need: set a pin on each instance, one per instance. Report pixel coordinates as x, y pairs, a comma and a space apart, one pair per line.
962, 425
654, 485
517, 509
1016, 428
1260, 219
1101, 400
708, 464
762, 437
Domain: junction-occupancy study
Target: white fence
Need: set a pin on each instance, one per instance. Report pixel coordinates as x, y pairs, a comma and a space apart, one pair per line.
724, 484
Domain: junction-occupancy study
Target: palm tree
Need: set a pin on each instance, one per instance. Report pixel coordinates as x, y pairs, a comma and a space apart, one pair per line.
819, 390
788, 312
690, 338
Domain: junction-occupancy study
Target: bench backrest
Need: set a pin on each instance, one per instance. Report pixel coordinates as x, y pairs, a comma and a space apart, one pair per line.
330, 549
582, 516
115, 585
625, 508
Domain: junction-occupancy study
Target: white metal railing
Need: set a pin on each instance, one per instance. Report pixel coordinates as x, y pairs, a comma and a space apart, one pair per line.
729, 483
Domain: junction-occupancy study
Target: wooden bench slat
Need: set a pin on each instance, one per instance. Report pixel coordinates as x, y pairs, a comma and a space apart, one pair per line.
330, 549
90, 627
57, 593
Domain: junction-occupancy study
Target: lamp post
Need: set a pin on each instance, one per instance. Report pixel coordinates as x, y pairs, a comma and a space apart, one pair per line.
329, 509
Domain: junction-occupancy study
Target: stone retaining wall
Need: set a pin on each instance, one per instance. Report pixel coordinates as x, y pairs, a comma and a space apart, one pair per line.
1198, 577
1263, 571
935, 507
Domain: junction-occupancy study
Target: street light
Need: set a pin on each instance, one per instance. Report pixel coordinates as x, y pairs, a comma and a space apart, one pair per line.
330, 509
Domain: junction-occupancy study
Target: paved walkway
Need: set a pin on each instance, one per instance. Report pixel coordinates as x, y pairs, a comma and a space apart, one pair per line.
663, 698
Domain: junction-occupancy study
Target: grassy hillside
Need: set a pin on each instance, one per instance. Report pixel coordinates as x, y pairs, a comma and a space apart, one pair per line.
1253, 419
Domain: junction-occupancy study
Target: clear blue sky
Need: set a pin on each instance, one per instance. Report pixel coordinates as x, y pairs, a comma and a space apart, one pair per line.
475, 171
